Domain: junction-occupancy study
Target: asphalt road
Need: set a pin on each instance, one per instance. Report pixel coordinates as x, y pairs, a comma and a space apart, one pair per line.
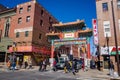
36, 75
47, 75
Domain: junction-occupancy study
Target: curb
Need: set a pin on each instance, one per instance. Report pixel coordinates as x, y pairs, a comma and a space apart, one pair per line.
115, 78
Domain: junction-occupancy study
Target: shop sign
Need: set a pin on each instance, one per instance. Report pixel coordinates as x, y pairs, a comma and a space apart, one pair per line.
104, 51
29, 49
70, 42
69, 35
20, 49
95, 31
113, 51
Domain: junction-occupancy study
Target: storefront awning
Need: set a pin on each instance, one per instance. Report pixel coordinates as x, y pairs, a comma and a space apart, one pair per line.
113, 51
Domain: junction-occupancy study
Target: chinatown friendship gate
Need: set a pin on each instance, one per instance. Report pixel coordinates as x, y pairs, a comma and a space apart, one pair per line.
72, 38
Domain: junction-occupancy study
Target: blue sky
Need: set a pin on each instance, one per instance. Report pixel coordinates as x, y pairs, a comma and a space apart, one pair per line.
65, 10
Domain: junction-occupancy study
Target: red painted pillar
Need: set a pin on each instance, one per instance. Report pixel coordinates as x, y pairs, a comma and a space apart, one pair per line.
52, 49
52, 53
88, 50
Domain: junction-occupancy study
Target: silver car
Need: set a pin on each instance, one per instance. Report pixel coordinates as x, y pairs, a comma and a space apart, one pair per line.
60, 65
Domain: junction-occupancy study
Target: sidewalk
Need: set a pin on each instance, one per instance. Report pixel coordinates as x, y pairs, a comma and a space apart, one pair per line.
4, 68
97, 74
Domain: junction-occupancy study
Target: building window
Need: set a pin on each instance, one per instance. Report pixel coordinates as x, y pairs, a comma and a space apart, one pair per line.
107, 31
19, 20
29, 8
105, 6
7, 26
50, 20
7, 30
42, 12
41, 22
17, 34
28, 19
40, 36
118, 4
26, 33
20, 10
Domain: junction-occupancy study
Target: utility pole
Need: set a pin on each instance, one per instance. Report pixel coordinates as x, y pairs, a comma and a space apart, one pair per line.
115, 36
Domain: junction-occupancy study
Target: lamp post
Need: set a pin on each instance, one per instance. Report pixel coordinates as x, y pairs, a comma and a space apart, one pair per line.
115, 36
107, 39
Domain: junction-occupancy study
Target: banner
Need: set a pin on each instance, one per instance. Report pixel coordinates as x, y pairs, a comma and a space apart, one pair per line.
95, 31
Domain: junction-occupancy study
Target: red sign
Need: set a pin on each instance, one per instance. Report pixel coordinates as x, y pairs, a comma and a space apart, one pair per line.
114, 49
95, 31
43, 50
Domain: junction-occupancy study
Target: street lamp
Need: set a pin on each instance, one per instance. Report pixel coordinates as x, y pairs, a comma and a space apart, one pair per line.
107, 39
115, 36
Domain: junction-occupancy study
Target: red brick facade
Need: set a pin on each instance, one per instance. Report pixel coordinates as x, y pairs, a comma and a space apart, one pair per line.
105, 18
28, 24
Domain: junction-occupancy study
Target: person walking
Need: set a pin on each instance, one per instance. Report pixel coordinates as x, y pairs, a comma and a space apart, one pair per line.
73, 67
13, 66
26, 64
40, 65
30, 64
111, 68
66, 66
44, 65
20, 63
54, 65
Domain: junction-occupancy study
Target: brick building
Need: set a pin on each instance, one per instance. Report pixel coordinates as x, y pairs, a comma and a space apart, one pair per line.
24, 28
108, 16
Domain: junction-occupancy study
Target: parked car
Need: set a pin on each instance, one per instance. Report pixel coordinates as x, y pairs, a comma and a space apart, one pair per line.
79, 64
60, 65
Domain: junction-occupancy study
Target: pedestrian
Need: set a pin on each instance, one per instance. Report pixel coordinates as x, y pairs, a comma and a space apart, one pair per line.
73, 67
30, 64
13, 65
66, 66
40, 65
54, 65
83, 64
26, 64
20, 63
44, 65
111, 68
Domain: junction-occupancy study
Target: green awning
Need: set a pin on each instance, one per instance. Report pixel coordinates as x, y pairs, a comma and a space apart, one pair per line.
114, 53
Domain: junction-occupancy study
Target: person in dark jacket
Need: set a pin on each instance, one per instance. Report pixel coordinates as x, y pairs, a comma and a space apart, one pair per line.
73, 67
26, 64
111, 68
40, 65
54, 65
